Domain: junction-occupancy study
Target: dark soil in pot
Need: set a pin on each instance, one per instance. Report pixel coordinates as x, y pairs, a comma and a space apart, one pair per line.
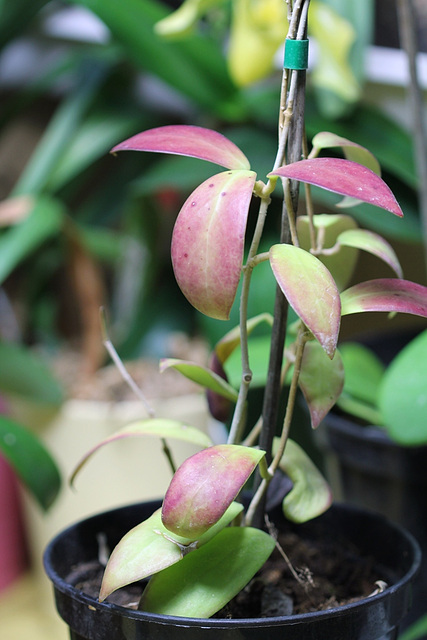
388, 554
369, 470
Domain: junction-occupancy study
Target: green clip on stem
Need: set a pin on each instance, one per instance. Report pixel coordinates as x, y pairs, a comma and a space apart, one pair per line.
296, 54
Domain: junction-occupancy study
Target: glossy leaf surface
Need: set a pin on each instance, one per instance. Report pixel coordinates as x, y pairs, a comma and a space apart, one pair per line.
310, 495
208, 241
311, 292
206, 579
344, 177
373, 243
153, 427
188, 140
403, 394
385, 294
202, 375
205, 485
150, 547
321, 381
32, 462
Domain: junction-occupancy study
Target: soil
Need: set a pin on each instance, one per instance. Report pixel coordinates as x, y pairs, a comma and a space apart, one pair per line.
324, 574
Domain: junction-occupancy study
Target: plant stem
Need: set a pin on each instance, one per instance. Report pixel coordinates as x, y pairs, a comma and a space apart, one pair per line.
408, 38
291, 129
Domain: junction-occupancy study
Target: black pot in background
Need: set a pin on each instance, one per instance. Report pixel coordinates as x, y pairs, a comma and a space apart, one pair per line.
367, 469
375, 618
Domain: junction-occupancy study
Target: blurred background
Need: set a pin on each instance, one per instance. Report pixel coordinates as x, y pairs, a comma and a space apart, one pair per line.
81, 229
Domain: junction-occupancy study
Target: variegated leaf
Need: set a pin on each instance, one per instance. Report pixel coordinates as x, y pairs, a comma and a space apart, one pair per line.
208, 241
385, 294
344, 177
188, 140
310, 290
205, 485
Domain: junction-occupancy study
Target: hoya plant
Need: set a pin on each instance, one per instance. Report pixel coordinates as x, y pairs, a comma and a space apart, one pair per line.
202, 547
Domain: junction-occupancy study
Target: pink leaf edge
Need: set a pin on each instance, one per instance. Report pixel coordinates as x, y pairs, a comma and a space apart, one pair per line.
188, 140
345, 177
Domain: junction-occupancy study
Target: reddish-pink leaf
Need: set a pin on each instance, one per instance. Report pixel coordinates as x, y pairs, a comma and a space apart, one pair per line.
344, 177
385, 294
186, 140
208, 241
205, 485
311, 291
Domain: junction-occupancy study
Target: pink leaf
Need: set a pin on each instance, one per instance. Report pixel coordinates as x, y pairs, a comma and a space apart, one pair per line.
208, 241
385, 294
344, 177
205, 485
311, 292
186, 140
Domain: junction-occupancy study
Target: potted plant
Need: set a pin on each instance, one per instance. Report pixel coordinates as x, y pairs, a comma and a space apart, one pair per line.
196, 563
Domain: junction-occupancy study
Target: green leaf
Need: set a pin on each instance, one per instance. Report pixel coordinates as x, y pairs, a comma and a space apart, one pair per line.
403, 394
201, 375
416, 631
208, 241
329, 226
206, 579
374, 244
152, 427
352, 151
363, 375
31, 461
311, 292
27, 376
205, 485
321, 381
310, 495
225, 347
18, 242
149, 548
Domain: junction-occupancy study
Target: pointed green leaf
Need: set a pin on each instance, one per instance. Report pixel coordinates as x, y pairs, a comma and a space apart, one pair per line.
352, 150
153, 427
321, 381
206, 579
311, 292
344, 177
310, 495
150, 547
187, 140
202, 375
403, 394
32, 462
373, 243
225, 347
329, 226
385, 294
208, 241
205, 485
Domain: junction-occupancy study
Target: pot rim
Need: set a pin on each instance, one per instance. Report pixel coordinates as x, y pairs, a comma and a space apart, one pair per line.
355, 607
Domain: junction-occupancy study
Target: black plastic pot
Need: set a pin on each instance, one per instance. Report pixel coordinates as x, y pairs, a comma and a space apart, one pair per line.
368, 469
374, 618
